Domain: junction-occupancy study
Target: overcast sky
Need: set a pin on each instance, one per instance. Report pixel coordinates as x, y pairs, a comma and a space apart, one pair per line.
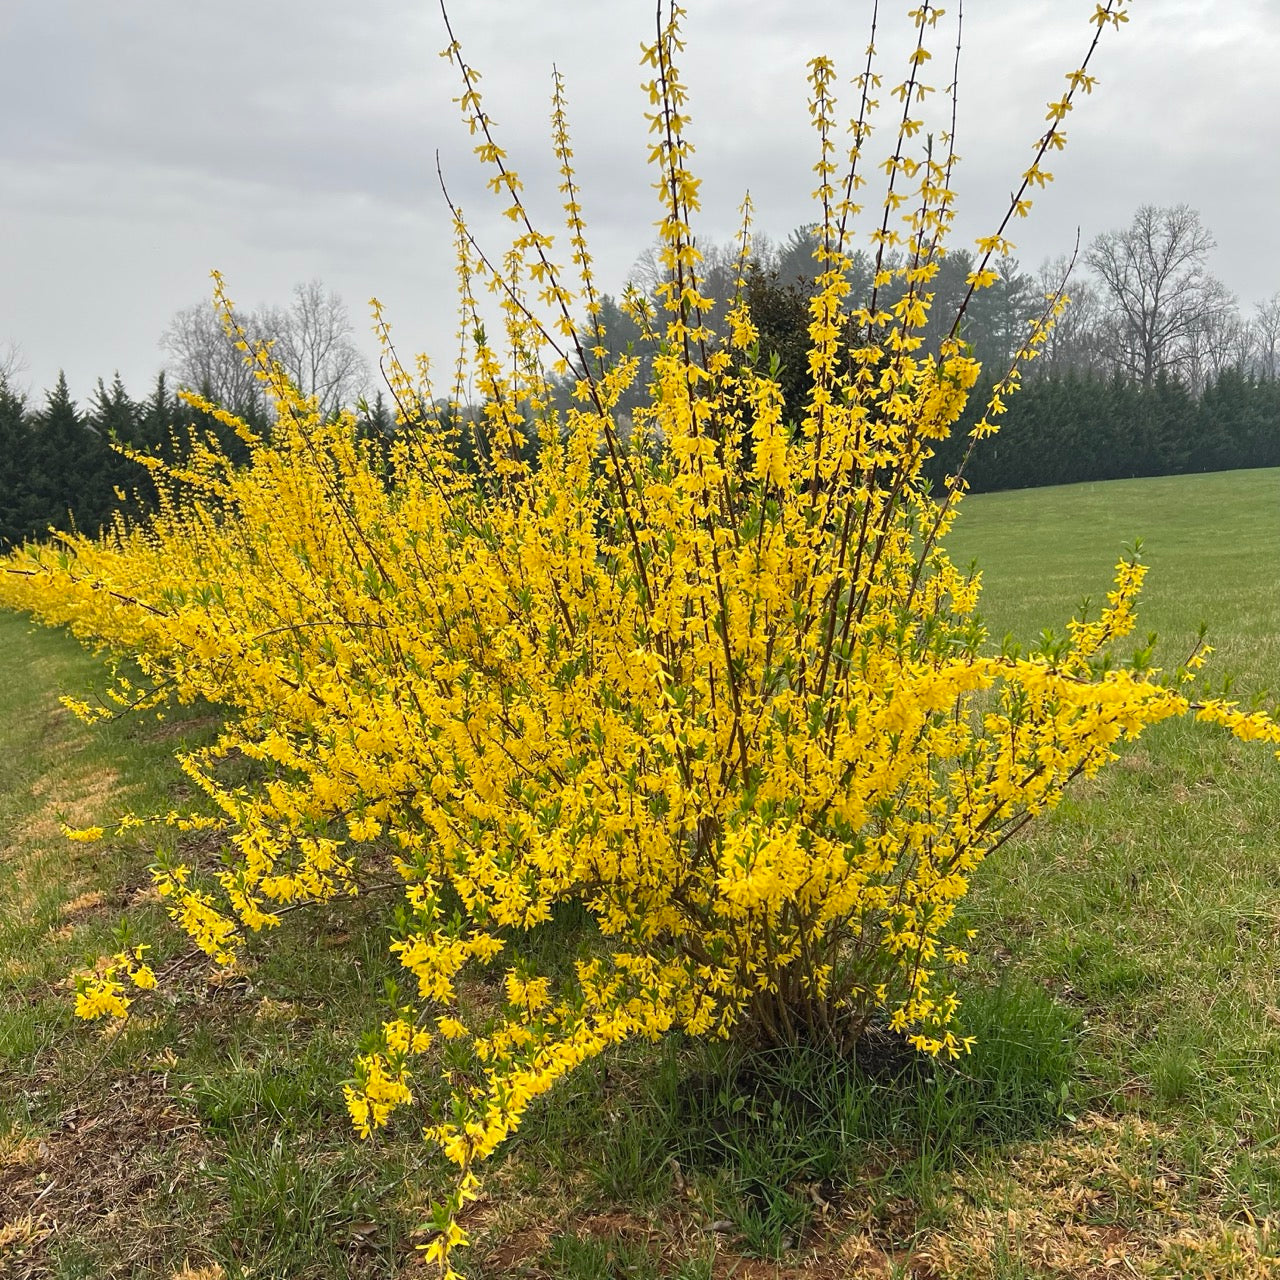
144, 142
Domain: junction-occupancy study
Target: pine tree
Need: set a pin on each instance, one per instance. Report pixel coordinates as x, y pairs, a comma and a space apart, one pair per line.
62, 460
16, 502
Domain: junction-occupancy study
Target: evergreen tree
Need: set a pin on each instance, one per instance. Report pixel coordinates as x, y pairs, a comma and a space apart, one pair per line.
63, 460
16, 499
117, 421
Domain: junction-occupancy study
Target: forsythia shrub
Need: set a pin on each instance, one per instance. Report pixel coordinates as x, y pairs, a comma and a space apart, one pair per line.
711, 677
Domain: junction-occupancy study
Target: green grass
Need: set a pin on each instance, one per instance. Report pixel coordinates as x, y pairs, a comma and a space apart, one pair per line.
1151, 901
213, 1126
1212, 544
1124, 1093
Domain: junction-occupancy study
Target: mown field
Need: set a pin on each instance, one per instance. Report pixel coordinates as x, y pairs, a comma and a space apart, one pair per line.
1120, 1114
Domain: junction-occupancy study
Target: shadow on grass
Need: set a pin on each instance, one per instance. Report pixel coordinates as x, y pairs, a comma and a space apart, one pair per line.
769, 1141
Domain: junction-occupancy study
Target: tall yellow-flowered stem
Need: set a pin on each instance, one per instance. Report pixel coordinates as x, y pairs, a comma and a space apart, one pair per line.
1110, 14
573, 215
490, 153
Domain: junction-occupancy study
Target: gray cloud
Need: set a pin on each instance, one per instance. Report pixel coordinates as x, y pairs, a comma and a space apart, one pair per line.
145, 141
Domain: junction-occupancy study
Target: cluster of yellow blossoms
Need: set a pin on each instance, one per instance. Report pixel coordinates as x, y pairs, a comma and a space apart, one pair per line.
706, 672
101, 993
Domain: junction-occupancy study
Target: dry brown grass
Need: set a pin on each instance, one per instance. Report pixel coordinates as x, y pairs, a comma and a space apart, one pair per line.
188, 1272
1097, 1201
79, 800
104, 1177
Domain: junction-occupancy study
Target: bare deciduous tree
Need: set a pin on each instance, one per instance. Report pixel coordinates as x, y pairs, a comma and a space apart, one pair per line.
12, 363
1217, 339
202, 358
1159, 294
313, 342
1266, 328
1075, 340
311, 338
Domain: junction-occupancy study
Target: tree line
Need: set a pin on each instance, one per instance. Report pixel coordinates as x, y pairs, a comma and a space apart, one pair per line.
65, 466
1153, 370
58, 466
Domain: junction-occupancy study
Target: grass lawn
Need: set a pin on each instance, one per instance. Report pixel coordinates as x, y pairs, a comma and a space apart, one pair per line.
1120, 1115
